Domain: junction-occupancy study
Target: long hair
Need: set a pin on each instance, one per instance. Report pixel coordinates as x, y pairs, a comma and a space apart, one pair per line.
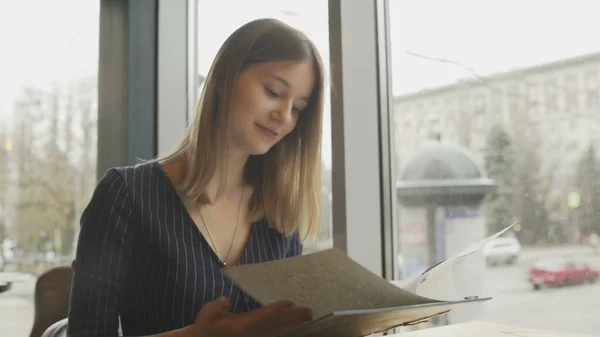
286, 180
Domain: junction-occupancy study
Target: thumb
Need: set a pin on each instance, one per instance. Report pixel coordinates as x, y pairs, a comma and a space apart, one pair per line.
215, 309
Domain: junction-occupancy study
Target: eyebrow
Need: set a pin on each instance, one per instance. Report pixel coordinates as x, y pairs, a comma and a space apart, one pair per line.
287, 84
281, 79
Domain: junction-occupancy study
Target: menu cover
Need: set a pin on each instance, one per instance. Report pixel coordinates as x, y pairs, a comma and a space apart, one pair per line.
346, 299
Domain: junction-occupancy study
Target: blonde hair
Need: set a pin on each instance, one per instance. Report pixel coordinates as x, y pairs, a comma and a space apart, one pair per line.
286, 181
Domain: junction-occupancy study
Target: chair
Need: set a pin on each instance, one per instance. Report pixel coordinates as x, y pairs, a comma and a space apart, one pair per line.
5, 286
51, 299
58, 329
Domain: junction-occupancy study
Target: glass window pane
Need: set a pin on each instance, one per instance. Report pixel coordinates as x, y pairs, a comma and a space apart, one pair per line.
217, 20
511, 90
48, 112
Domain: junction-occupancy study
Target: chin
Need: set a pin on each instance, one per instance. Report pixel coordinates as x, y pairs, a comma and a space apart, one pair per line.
259, 148
259, 152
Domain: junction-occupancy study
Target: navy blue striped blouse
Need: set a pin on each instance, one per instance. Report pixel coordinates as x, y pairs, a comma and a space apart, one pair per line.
142, 264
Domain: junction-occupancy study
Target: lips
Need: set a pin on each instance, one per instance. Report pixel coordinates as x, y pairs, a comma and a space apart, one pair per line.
270, 133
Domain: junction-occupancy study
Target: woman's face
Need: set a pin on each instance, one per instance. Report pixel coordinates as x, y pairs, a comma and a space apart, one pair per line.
269, 98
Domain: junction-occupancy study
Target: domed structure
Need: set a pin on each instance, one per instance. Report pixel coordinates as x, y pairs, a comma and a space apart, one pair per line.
441, 161
444, 173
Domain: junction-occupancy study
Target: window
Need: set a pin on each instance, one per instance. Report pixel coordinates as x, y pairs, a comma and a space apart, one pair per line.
550, 96
447, 52
533, 100
48, 112
217, 20
463, 129
479, 111
407, 124
480, 104
592, 90
515, 100
571, 94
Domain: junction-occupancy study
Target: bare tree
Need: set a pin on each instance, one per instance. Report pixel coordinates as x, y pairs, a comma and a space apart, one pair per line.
530, 194
587, 183
56, 163
5, 147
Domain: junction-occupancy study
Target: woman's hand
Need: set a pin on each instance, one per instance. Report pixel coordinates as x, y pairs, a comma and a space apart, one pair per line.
214, 319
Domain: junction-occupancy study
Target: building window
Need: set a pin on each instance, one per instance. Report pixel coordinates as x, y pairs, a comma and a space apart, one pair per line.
593, 95
533, 102
449, 108
571, 94
480, 105
407, 122
479, 110
550, 97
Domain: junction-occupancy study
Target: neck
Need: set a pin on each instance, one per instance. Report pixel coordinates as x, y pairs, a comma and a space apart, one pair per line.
234, 175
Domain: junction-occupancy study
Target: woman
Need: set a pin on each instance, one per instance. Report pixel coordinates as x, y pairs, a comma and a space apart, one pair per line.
242, 187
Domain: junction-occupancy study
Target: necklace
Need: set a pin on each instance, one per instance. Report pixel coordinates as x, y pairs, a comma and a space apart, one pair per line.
224, 261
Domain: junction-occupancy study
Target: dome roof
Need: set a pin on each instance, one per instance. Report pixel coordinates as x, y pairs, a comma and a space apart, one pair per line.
441, 161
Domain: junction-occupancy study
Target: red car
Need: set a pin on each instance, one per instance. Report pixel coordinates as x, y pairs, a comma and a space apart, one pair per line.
559, 272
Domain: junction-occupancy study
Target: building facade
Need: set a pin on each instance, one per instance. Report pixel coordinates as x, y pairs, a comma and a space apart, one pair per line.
553, 109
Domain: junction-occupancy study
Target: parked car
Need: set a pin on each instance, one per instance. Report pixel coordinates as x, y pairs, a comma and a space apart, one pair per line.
560, 272
502, 250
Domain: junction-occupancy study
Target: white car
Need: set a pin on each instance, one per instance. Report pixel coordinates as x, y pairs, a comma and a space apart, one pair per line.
503, 250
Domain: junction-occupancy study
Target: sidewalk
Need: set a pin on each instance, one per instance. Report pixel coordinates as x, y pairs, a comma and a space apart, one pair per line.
16, 316
16, 305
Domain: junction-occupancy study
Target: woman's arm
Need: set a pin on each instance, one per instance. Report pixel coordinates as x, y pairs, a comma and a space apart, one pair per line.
102, 267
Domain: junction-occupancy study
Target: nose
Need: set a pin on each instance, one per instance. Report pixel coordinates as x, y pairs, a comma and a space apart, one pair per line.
284, 112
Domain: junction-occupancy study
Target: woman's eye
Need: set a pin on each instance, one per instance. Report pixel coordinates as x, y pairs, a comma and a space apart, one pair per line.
271, 93
296, 110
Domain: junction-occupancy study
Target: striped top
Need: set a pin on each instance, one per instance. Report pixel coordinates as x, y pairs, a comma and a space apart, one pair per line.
142, 263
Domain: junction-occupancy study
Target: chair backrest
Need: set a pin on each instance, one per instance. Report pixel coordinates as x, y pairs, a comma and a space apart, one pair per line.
58, 329
51, 298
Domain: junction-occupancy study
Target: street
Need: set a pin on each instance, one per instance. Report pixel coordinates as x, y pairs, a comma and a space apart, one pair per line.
573, 309
16, 308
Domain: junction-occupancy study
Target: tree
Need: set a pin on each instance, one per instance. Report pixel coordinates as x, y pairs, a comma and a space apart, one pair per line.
531, 183
5, 148
530, 191
55, 150
499, 164
587, 183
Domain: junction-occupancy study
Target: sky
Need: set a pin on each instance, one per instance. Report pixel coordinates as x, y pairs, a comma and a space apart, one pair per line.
487, 36
45, 41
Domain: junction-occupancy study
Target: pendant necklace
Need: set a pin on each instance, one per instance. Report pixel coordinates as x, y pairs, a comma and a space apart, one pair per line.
224, 261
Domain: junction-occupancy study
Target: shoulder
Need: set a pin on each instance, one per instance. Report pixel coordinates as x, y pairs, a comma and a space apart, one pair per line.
110, 183
131, 177
115, 199
111, 190
120, 184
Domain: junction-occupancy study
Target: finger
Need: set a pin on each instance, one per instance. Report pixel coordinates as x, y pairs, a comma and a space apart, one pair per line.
215, 309
286, 319
295, 315
280, 305
268, 310
271, 319
263, 318
282, 309
272, 308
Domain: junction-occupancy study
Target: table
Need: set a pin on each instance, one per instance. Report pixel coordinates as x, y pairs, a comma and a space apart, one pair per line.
486, 329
